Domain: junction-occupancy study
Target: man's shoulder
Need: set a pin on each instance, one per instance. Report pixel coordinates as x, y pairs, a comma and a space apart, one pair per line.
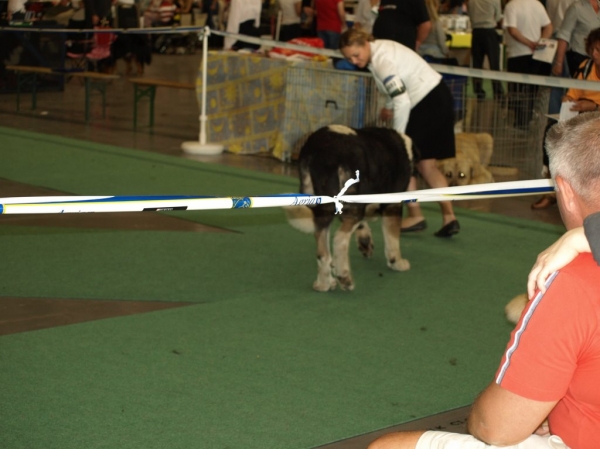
583, 263
581, 277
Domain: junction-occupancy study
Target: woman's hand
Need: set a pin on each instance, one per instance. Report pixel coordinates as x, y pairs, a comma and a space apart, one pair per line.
386, 114
543, 430
563, 251
584, 106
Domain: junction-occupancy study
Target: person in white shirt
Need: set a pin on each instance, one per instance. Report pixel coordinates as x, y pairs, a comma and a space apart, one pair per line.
290, 19
419, 103
365, 14
525, 22
291, 11
243, 18
485, 16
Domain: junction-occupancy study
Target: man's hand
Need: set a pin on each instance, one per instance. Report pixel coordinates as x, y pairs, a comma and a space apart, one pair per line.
561, 253
543, 430
386, 114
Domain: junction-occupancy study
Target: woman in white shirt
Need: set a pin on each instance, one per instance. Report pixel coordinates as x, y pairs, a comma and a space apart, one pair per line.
290, 19
365, 14
243, 18
420, 104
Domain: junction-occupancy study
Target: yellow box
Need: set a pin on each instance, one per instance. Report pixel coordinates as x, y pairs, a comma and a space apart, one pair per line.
460, 40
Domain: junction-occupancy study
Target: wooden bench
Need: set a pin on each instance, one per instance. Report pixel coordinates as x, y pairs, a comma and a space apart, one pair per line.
93, 81
146, 87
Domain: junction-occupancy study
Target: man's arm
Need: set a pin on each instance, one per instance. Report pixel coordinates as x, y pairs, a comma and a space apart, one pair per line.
342, 14
518, 36
559, 57
502, 418
423, 30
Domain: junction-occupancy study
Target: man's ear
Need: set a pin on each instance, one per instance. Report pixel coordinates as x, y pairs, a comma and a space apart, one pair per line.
566, 193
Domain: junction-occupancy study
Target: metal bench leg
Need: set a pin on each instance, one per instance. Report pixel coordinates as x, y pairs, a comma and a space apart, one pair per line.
100, 86
19, 81
22, 79
152, 96
138, 94
135, 102
87, 100
34, 92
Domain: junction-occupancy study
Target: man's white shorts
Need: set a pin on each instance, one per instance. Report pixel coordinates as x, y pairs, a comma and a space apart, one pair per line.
446, 440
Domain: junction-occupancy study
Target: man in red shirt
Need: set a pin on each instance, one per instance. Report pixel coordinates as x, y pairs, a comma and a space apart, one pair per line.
545, 393
331, 21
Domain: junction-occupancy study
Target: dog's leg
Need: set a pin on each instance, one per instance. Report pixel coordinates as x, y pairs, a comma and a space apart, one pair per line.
391, 224
341, 244
325, 280
364, 239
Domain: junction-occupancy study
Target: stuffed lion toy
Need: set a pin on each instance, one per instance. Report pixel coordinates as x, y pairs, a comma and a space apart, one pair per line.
473, 154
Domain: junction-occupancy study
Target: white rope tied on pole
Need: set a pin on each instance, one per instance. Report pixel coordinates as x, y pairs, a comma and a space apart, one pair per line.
337, 199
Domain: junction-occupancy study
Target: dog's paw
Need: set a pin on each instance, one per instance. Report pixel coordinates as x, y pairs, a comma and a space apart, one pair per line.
364, 239
365, 246
346, 282
324, 286
399, 264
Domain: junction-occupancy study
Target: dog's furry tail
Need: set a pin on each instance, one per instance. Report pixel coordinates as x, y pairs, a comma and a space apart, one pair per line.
300, 218
515, 307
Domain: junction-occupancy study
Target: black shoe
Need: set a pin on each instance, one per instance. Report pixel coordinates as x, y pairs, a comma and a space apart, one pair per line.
419, 226
448, 230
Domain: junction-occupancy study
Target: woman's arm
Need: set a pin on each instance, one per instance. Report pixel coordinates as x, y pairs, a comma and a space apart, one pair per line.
561, 253
440, 35
547, 31
559, 57
342, 14
423, 30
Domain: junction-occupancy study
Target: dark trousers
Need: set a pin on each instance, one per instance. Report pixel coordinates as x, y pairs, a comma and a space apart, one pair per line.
248, 29
485, 42
522, 96
289, 32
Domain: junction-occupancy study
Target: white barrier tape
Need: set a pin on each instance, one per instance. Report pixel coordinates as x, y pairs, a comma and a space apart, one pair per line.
470, 192
547, 81
272, 43
76, 204
338, 197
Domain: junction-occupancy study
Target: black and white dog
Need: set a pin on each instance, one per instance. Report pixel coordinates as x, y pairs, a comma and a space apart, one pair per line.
327, 160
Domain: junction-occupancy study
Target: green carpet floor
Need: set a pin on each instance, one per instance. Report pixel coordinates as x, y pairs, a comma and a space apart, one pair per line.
260, 361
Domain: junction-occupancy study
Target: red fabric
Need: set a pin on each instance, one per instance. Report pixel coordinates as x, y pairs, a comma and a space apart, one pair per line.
554, 353
327, 15
307, 41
